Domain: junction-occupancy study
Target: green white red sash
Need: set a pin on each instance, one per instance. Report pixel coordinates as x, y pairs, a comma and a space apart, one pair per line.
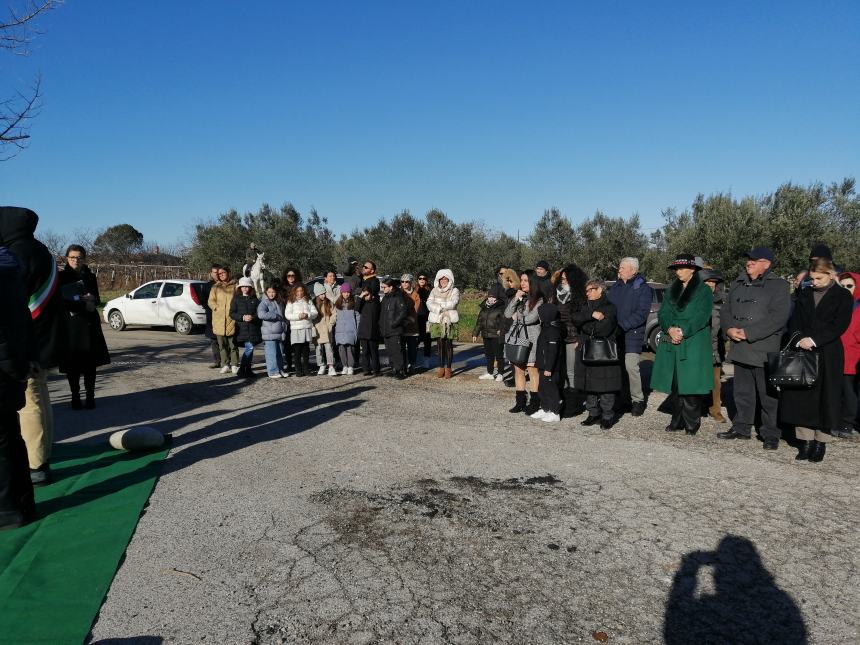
43, 294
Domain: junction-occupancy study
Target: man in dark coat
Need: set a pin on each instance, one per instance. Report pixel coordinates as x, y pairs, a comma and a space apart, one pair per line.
392, 316
17, 351
41, 282
753, 317
205, 290
367, 304
632, 298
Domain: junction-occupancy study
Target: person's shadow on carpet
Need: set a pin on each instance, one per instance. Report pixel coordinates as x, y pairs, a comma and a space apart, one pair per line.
746, 606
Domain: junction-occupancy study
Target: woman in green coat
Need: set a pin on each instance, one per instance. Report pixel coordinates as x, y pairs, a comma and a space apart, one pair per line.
683, 366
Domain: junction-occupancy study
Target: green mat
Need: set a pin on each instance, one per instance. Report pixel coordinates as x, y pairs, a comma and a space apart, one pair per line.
55, 572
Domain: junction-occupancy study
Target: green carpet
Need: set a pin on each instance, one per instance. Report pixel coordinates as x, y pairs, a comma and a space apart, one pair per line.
55, 572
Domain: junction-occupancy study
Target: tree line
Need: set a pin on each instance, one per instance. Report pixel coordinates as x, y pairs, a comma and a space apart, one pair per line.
719, 227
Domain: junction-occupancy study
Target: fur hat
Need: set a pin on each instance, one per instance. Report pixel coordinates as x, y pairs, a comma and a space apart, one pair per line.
246, 282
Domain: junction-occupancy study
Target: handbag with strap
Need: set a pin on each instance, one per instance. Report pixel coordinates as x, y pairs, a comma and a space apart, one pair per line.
792, 368
599, 351
517, 344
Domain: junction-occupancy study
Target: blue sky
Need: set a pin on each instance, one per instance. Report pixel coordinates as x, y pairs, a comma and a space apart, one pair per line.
162, 113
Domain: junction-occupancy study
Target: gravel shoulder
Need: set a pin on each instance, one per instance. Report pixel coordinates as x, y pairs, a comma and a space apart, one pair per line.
357, 510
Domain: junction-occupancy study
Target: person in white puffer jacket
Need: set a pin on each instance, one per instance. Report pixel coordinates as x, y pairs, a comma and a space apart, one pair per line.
442, 304
301, 313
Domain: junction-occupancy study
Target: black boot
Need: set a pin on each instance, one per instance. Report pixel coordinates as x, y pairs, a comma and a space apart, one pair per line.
692, 413
805, 451
677, 422
521, 402
534, 404
90, 402
76, 401
574, 403
816, 454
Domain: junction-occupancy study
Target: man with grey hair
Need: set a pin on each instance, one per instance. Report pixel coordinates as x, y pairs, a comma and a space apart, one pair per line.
632, 296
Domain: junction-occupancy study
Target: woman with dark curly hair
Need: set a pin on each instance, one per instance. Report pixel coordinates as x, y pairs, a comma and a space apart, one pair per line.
570, 297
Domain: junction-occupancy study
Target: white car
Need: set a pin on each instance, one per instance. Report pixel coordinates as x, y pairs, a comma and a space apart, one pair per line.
178, 303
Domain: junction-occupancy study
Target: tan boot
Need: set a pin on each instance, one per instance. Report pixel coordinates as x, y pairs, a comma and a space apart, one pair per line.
441, 373
715, 410
447, 372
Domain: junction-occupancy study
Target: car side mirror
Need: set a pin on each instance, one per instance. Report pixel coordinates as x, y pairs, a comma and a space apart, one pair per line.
128, 295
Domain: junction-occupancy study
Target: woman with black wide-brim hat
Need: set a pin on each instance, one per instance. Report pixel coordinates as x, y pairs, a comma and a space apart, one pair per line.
683, 365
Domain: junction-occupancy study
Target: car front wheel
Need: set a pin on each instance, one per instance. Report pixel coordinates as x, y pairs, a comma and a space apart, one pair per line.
116, 321
183, 324
654, 338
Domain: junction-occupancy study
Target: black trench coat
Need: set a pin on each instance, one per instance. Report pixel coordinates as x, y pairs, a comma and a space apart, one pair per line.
819, 407
595, 378
86, 342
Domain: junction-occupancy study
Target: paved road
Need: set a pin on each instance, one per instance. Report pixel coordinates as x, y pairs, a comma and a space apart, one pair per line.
356, 510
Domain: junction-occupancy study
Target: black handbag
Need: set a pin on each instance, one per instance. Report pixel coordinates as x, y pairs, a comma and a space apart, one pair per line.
599, 351
792, 368
517, 345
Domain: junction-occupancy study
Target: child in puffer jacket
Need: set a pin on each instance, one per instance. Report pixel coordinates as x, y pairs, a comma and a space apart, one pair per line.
301, 313
346, 329
324, 326
489, 326
243, 310
274, 326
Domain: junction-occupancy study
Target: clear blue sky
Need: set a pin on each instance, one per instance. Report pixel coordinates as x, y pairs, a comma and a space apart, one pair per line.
163, 113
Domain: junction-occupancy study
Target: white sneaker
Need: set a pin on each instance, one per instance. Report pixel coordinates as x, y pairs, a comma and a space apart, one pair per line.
551, 417
486, 377
285, 374
332, 371
276, 376
499, 378
321, 370
225, 369
235, 369
350, 371
539, 415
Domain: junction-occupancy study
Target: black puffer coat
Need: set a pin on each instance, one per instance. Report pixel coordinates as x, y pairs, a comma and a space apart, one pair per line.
368, 324
86, 342
17, 226
596, 378
550, 344
246, 331
17, 348
393, 312
491, 318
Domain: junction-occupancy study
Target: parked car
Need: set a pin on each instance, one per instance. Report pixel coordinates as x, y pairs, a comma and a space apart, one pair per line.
652, 328
178, 303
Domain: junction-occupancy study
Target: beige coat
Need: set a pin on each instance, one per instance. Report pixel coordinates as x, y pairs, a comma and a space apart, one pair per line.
325, 325
219, 302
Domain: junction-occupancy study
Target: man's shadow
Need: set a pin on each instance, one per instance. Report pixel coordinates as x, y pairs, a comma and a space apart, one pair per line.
746, 606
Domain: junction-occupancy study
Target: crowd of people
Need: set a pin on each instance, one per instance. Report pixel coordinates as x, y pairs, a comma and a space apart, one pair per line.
565, 343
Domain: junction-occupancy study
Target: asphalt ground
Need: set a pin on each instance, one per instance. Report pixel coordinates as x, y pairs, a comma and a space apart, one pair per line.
369, 510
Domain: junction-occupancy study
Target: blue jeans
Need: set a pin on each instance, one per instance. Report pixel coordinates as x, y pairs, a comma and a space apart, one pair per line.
274, 357
248, 354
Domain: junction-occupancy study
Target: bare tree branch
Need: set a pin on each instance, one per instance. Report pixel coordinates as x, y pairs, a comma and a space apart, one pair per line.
15, 33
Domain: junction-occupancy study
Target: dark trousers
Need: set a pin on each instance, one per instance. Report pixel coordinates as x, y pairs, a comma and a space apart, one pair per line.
409, 347
216, 350
849, 400
424, 337
394, 351
287, 351
600, 404
749, 381
369, 356
550, 397
301, 358
686, 409
446, 352
74, 378
494, 352
16, 490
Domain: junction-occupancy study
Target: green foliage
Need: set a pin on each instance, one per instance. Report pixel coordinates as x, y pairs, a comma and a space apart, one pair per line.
118, 241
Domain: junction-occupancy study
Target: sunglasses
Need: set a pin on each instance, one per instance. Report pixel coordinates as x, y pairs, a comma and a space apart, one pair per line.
291, 275
74, 257
848, 285
405, 281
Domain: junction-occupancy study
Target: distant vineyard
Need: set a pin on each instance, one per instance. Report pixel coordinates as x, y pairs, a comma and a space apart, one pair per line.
124, 277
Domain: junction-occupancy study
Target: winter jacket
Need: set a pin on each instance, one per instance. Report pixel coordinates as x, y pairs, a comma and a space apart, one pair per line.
219, 302
86, 342
271, 315
851, 337
689, 363
205, 292
593, 377
413, 304
820, 406
368, 325
332, 291
393, 314
761, 308
442, 303
294, 310
325, 324
490, 319
550, 344
423, 311
520, 310
565, 312
41, 282
17, 346
246, 331
718, 340
346, 329
632, 300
